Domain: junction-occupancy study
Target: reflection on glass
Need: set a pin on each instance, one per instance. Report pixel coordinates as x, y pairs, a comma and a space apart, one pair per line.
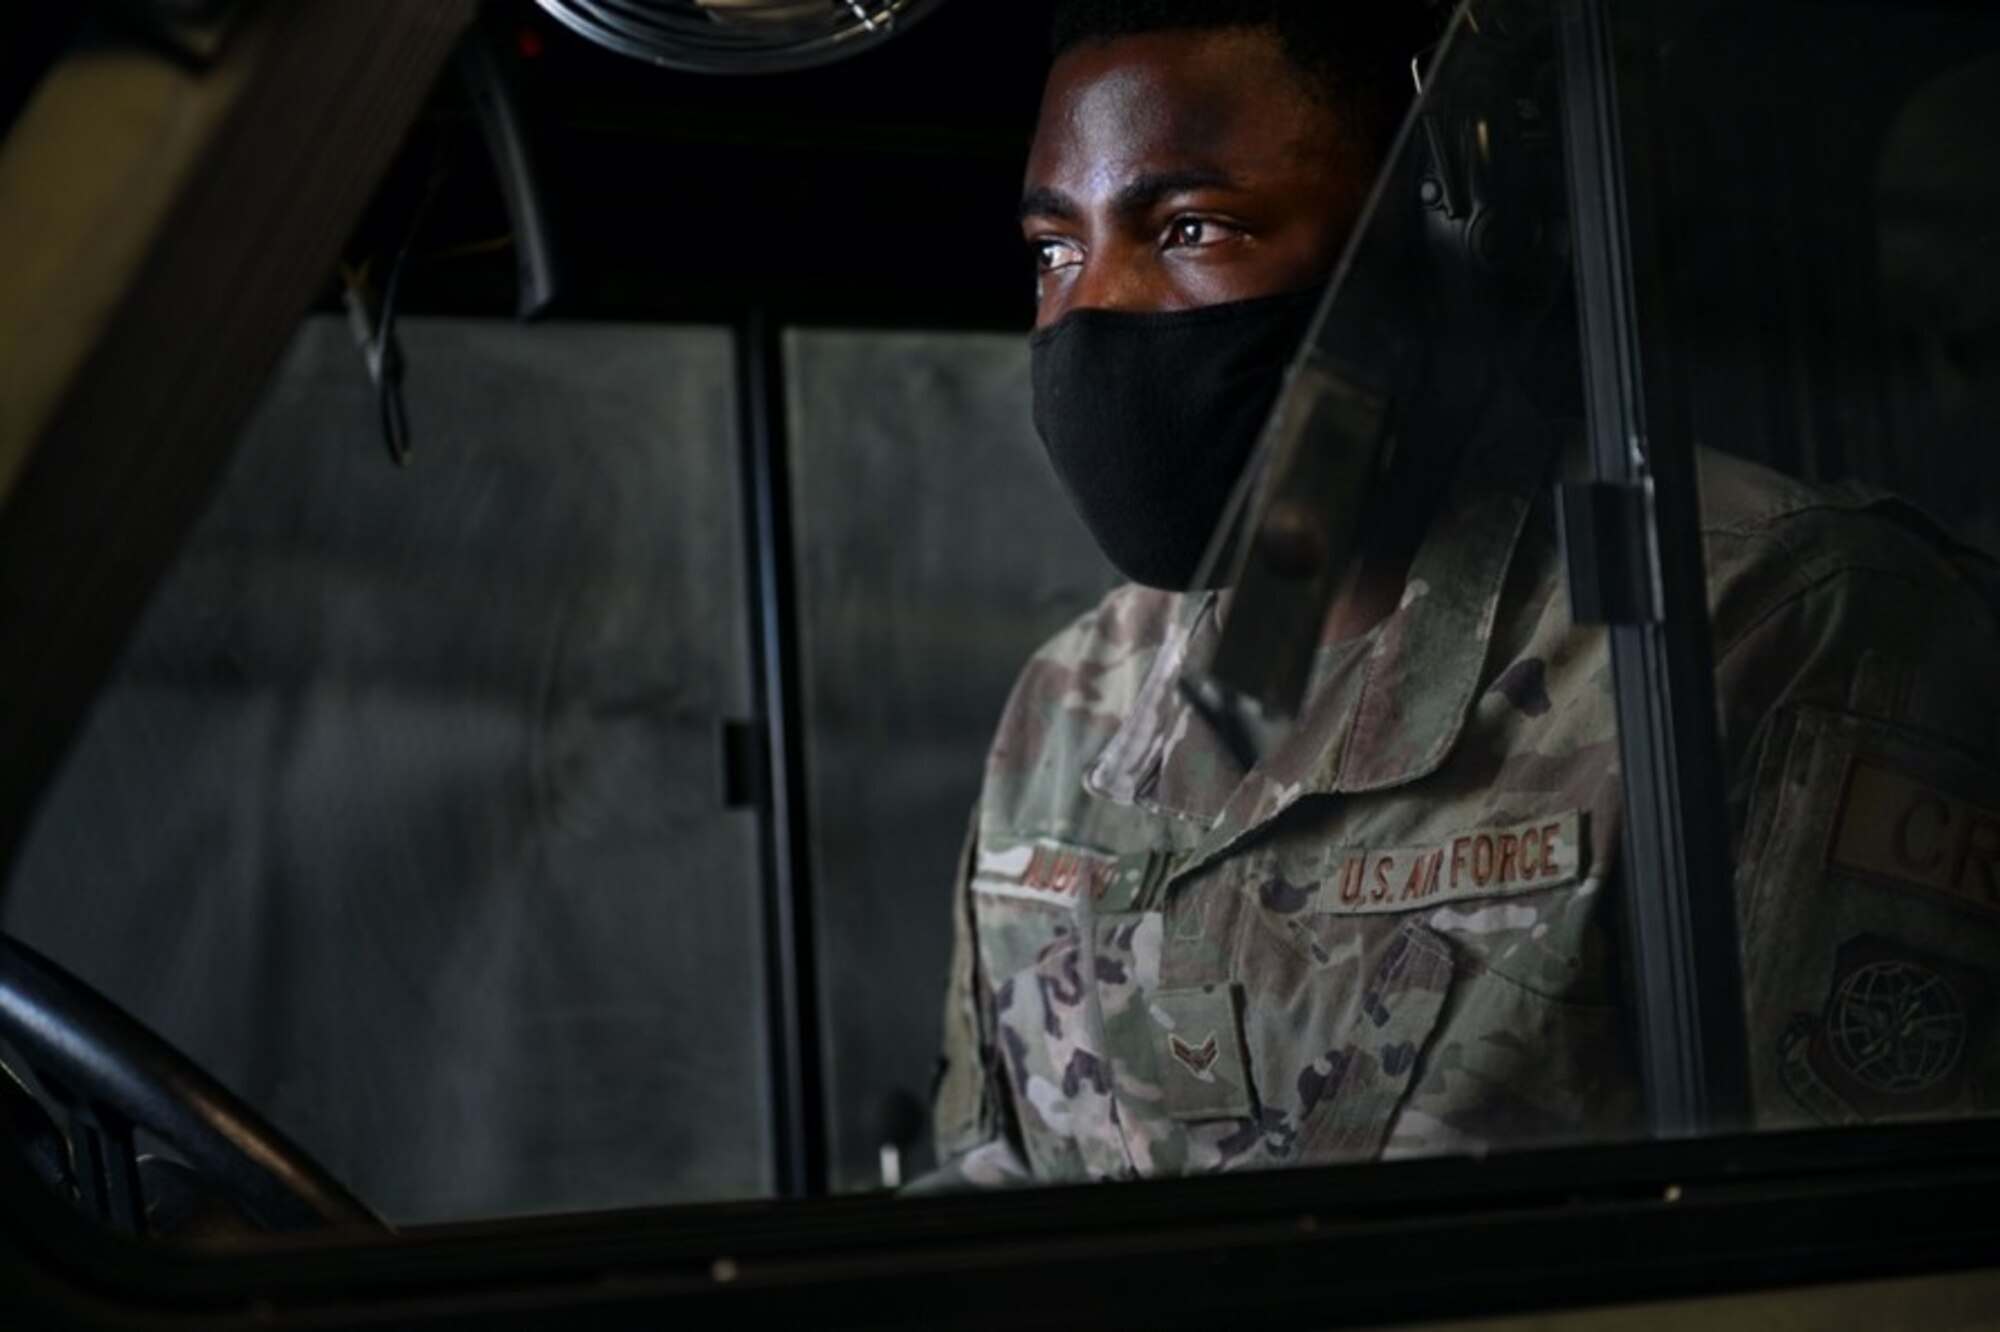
401, 813
1937, 194
1840, 326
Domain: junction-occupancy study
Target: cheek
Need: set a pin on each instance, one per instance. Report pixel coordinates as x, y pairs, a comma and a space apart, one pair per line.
1267, 266
1047, 308
1216, 283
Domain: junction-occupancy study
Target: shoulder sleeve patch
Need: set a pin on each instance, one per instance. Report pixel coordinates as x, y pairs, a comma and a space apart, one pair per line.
1895, 829
1891, 1039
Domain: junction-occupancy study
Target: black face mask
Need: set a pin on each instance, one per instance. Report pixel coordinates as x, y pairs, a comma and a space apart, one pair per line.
1150, 418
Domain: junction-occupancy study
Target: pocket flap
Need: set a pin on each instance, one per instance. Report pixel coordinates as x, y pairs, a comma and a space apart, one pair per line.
1199, 1034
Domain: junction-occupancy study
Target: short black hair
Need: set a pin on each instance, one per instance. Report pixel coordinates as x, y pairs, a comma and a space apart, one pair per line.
1356, 53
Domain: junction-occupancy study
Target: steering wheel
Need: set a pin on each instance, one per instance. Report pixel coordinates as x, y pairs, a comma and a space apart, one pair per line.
112, 1076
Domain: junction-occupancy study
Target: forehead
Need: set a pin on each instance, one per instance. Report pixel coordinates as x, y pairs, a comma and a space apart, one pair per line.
1223, 99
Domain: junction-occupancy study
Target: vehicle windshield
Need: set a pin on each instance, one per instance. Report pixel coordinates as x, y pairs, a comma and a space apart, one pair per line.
705, 744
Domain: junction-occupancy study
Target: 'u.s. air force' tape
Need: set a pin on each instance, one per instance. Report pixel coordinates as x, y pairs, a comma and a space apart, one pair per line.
1479, 862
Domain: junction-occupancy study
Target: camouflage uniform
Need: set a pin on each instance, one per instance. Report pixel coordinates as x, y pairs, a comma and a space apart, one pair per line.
1397, 934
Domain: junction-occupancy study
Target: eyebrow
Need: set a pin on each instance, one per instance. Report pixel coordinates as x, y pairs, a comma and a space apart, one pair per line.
1135, 197
1046, 202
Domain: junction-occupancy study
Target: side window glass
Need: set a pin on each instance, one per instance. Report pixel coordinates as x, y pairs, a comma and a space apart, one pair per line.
935, 551
412, 814
1840, 291
401, 814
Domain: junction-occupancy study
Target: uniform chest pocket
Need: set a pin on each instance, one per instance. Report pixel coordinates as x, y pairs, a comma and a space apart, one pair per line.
1064, 1022
1349, 1090
1329, 1051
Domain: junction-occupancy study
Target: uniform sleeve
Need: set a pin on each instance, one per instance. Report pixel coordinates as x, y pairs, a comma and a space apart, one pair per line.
1859, 730
968, 1118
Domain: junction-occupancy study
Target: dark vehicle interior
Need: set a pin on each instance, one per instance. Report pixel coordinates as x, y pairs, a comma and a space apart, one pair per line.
512, 554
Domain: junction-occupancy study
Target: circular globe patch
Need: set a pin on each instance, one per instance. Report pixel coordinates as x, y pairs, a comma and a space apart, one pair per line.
1895, 1027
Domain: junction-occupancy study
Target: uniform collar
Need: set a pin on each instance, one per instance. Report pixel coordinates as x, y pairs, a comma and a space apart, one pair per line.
1382, 711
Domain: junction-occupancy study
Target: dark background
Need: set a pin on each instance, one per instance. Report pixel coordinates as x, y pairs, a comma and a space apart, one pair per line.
878, 189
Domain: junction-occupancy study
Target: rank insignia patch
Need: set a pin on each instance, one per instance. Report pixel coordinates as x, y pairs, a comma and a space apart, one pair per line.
1196, 1059
1203, 1074
1891, 1039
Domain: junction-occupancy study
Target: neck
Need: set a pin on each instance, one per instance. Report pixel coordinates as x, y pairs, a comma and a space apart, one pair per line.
1405, 501
1375, 588
1443, 401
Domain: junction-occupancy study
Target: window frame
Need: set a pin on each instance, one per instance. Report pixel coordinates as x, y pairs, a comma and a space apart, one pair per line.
1681, 942
1390, 1241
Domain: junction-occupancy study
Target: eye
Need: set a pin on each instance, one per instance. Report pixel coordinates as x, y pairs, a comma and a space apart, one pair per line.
1053, 253
1193, 233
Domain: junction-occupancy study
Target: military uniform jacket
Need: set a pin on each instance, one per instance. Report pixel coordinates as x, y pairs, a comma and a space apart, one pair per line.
1398, 933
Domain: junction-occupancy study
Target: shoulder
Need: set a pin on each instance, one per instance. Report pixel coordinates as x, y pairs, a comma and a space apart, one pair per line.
1772, 542
1130, 619
1846, 600
1070, 699
1086, 677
